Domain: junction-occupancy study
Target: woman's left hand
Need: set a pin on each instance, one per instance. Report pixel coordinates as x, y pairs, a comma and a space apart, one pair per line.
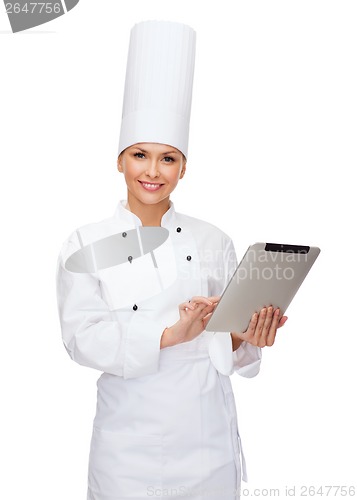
262, 328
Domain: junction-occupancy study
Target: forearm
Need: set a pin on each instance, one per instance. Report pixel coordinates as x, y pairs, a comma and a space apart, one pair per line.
167, 339
236, 342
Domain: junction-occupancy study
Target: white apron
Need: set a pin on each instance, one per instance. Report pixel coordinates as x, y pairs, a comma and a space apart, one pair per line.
166, 422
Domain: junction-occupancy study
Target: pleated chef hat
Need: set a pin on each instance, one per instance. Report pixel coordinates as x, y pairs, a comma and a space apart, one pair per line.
158, 85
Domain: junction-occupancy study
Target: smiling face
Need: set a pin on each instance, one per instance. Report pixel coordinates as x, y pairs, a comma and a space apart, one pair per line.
151, 172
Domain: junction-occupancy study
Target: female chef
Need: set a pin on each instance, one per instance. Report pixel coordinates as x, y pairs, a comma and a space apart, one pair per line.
135, 292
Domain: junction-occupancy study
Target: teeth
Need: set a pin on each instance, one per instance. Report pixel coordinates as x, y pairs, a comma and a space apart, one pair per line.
146, 184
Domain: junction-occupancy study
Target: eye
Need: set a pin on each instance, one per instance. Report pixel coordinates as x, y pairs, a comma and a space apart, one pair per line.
139, 155
168, 159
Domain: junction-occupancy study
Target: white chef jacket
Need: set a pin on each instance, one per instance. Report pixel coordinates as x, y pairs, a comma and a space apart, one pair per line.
166, 421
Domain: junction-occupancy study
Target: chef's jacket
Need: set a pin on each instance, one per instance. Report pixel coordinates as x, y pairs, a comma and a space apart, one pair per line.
166, 418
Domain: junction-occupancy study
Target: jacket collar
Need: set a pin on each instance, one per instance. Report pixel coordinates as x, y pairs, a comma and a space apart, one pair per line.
168, 220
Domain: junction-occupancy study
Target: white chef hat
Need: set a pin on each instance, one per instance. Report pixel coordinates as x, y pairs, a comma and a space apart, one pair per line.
158, 85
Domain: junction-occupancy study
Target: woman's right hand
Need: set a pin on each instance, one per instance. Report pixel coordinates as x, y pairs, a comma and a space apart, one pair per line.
194, 316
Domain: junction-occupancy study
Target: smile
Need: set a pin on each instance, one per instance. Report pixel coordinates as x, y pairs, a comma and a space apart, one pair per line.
149, 186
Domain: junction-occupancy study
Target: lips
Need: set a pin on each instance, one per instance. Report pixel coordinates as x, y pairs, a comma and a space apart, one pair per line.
150, 186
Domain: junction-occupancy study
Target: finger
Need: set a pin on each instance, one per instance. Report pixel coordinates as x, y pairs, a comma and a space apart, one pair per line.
249, 332
202, 310
196, 312
273, 327
186, 305
206, 319
266, 326
200, 300
260, 324
282, 321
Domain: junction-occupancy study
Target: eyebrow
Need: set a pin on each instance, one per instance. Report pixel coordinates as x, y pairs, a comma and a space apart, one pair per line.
144, 151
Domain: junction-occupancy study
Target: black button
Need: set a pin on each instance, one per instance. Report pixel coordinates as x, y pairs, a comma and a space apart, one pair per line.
135, 307
178, 230
130, 258
124, 234
188, 257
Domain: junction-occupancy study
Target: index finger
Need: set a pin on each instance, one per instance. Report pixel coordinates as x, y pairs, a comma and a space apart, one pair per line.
202, 300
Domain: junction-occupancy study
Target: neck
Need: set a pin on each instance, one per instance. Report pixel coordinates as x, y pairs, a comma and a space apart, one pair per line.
150, 215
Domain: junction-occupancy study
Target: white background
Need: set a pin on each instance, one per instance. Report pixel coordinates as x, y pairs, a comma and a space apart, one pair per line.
272, 152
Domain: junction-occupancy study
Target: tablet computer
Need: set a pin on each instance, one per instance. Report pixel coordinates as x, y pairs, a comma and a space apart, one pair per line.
268, 274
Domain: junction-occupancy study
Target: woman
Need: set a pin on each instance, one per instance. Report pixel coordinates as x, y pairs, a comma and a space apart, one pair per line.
166, 422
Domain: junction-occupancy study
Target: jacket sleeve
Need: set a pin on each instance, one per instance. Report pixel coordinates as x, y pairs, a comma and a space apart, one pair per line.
91, 332
247, 358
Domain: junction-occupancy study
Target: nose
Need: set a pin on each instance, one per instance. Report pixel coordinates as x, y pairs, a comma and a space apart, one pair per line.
152, 169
